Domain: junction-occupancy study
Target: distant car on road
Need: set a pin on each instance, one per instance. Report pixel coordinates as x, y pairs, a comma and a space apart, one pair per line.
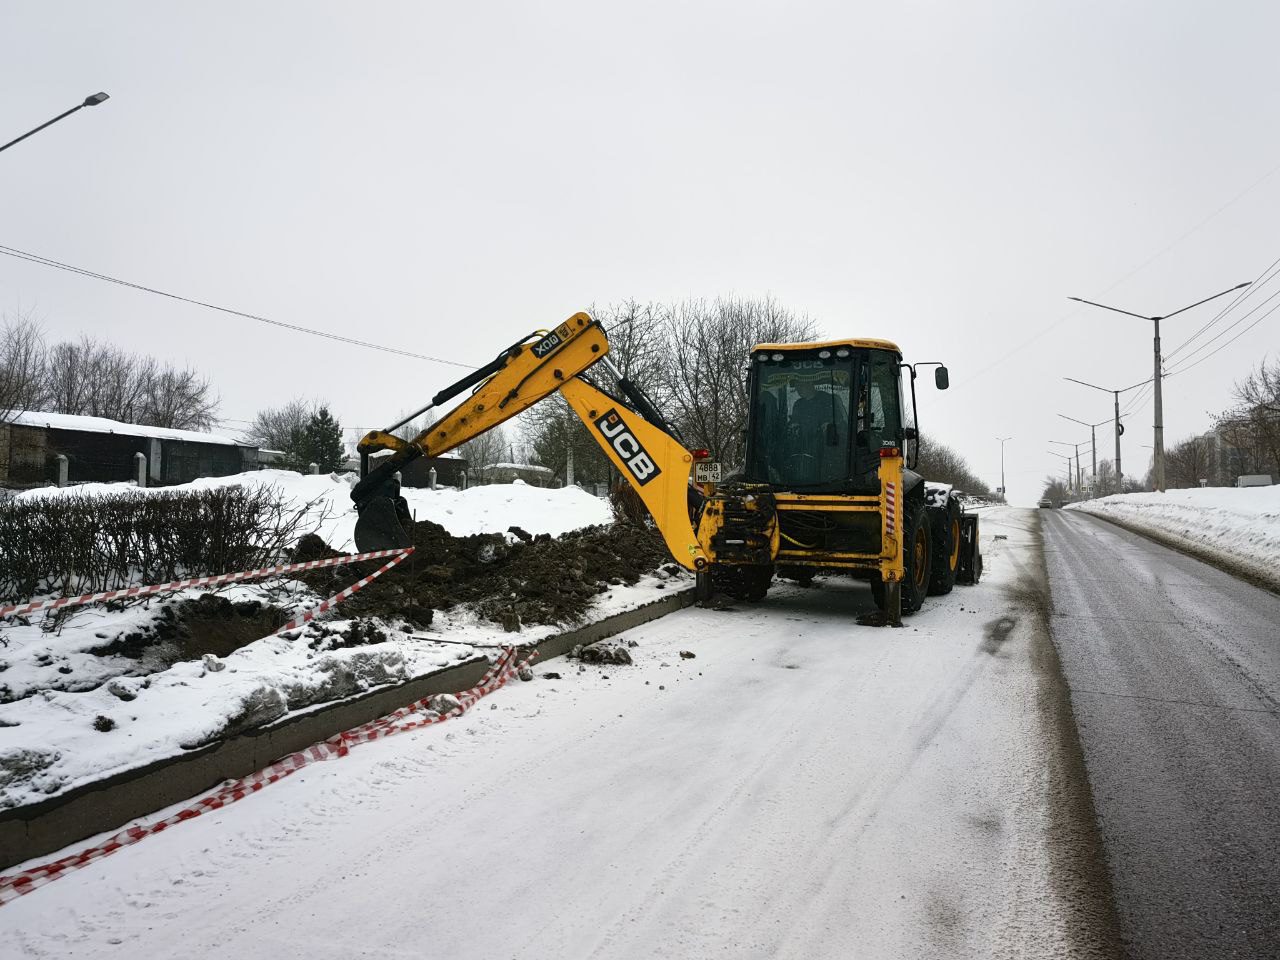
1046, 504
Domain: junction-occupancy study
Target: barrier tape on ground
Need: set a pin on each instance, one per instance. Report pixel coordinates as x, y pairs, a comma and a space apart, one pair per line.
20, 609
398, 721
341, 595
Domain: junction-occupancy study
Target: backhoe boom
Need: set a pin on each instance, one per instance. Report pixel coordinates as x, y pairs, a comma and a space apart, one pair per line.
652, 460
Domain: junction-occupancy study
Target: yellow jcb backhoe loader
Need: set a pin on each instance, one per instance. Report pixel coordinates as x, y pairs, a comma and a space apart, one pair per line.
825, 484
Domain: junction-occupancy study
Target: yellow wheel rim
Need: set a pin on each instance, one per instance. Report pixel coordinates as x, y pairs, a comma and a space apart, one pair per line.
955, 543
920, 553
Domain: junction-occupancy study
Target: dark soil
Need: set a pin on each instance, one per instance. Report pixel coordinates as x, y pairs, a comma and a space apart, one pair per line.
191, 628
538, 580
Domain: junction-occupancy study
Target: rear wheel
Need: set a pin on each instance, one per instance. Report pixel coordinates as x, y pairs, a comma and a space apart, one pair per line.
746, 582
918, 548
739, 581
946, 549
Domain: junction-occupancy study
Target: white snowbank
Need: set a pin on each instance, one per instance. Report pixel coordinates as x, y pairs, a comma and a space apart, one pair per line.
1236, 527
485, 509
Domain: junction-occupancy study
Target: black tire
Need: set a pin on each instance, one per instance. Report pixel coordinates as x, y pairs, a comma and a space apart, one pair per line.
946, 549
744, 582
918, 547
757, 580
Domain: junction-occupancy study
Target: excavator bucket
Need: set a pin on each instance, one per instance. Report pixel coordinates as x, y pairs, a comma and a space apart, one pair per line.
384, 522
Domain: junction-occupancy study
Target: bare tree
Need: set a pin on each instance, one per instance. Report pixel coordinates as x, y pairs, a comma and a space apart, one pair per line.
941, 464
486, 449
89, 378
703, 376
1188, 462
1252, 427
22, 359
1106, 478
180, 399
282, 428
68, 379
1054, 490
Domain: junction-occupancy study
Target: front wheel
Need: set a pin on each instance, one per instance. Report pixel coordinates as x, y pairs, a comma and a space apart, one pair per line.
917, 562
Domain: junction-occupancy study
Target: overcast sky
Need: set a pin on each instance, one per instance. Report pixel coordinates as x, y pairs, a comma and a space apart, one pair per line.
446, 177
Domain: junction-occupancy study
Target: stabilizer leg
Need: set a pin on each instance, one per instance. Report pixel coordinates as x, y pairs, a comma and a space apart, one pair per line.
893, 602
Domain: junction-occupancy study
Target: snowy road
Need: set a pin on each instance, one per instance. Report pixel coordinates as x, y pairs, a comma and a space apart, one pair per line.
1174, 669
803, 788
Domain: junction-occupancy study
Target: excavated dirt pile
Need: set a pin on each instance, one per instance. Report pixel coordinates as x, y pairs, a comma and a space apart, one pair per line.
532, 580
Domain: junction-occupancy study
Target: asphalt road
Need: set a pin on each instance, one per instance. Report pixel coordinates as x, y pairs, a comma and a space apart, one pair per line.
1174, 672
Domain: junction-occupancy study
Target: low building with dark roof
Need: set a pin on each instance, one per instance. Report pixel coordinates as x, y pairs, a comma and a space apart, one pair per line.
104, 451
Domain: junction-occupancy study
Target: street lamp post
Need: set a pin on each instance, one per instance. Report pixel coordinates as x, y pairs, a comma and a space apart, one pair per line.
1093, 438
1067, 458
1157, 375
1079, 475
91, 101
1004, 491
1119, 425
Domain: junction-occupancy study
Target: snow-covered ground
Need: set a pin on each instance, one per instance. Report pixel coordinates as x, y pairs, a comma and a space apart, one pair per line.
802, 787
1237, 528
60, 693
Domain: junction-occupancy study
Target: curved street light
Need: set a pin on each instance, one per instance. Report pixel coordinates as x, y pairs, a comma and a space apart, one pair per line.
90, 101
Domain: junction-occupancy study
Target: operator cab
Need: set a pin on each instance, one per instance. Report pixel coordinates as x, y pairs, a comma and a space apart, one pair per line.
821, 413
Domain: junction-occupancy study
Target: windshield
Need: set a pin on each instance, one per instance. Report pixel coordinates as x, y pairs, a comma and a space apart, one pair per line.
800, 418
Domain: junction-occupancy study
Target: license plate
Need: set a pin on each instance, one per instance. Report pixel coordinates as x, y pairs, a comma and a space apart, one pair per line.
706, 472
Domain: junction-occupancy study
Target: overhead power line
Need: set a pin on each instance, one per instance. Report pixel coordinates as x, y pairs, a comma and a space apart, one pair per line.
297, 328
1261, 281
1063, 318
1187, 366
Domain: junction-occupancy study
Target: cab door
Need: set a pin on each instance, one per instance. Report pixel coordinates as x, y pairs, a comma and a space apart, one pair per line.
878, 421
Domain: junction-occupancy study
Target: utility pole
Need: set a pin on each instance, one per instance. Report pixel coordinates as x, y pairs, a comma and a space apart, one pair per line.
90, 101
1004, 491
1119, 425
1079, 475
1065, 457
1158, 376
1093, 442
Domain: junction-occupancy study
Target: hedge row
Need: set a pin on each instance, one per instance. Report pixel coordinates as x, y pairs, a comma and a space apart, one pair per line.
74, 544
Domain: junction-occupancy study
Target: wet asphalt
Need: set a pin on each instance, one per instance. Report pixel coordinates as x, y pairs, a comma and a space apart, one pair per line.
1174, 672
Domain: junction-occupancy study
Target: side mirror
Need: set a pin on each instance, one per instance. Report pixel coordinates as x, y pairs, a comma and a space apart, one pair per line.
909, 433
940, 378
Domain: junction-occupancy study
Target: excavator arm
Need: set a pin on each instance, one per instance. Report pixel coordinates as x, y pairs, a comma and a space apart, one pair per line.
643, 450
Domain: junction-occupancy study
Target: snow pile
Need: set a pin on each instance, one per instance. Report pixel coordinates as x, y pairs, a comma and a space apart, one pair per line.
1235, 528
485, 509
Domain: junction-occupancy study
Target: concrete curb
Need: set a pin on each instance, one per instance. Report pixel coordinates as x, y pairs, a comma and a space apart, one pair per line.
105, 805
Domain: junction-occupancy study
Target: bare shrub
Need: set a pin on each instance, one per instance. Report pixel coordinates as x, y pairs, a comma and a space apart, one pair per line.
79, 544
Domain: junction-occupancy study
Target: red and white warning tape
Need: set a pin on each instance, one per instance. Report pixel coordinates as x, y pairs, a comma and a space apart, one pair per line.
222, 578
341, 595
398, 721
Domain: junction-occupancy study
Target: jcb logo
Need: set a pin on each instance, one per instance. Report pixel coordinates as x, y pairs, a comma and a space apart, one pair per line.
547, 345
627, 447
